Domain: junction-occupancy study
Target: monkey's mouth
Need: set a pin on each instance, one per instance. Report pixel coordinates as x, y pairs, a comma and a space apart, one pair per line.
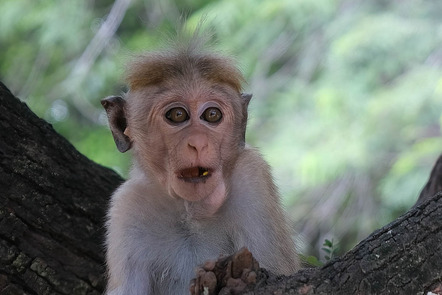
194, 174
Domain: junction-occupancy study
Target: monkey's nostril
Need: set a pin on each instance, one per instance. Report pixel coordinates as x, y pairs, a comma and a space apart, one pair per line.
198, 142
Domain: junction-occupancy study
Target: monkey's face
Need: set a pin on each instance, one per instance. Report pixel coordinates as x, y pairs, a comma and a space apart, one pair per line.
188, 137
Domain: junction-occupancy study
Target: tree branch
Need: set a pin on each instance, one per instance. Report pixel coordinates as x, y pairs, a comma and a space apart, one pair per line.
404, 257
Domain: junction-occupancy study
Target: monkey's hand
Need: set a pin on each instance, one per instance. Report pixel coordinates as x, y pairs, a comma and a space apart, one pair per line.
227, 275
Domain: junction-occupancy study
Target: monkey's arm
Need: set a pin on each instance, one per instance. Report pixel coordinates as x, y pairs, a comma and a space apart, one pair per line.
261, 225
125, 243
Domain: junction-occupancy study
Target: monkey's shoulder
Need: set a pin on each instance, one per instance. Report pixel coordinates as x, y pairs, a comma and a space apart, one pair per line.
140, 199
251, 167
251, 156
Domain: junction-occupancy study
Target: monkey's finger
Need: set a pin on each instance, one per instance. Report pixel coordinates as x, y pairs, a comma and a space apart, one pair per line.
209, 265
243, 259
248, 276
235, 285
208, 282
192, 287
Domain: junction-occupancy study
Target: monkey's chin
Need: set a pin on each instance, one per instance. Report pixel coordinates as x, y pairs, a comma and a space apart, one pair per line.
203, 204
207, 189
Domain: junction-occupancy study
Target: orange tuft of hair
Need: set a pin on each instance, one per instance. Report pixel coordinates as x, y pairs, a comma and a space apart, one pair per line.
183, 60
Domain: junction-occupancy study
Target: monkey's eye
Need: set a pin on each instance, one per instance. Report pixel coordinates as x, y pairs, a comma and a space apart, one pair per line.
177, 115
212, 115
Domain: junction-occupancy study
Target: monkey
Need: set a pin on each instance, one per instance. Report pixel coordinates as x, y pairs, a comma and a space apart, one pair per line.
196, 190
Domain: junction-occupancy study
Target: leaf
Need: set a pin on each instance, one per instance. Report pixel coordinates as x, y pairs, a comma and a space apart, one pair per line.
326, 250
311, 260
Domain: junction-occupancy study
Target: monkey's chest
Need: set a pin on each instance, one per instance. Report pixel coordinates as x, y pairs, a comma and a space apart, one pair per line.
198, 243
174, 266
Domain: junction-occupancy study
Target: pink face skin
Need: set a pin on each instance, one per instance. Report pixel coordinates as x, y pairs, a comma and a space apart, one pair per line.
191, 135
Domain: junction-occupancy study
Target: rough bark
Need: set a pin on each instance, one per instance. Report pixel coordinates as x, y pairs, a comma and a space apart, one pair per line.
52, 208
404, 257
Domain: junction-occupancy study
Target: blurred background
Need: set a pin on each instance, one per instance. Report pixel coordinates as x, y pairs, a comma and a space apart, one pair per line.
347, 104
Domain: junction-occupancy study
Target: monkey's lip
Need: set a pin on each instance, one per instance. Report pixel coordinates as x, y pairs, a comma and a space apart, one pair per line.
194, 174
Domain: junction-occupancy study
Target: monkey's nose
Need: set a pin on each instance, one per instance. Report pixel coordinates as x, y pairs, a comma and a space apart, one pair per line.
198, 142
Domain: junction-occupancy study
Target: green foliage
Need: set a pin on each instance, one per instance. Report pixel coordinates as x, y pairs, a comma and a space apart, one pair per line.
311, 261
330, 249
347, 94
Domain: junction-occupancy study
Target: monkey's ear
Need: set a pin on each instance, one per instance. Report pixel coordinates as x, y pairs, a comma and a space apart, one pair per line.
245, 101
114, 106
246, 97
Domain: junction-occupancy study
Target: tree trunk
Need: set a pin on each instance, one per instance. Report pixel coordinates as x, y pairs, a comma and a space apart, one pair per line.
52, 210
52, 207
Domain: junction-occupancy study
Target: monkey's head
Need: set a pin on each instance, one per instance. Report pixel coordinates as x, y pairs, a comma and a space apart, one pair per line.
185, 119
